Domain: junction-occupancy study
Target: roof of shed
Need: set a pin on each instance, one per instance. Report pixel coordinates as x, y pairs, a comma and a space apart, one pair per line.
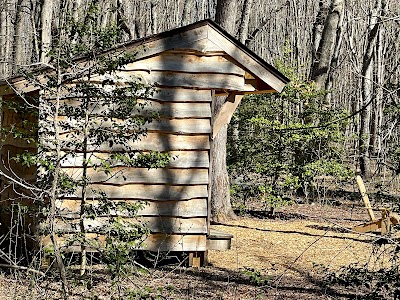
206, 35
203, 36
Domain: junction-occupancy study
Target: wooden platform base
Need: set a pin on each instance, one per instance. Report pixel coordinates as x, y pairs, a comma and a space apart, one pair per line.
219, 240
383, 225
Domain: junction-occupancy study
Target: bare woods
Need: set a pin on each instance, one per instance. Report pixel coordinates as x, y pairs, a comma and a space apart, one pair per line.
349, 47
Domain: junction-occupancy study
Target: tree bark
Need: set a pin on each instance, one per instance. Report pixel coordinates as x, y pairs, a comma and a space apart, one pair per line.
244, 21
221, 208
225, 15
375, 141
367, 89
154, 17
46, 18
19, 32
335, 56
327, 43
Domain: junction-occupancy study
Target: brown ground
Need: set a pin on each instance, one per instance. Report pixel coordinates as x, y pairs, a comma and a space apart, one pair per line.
280, 258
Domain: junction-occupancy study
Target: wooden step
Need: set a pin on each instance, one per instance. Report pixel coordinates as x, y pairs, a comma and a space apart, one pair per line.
219, 240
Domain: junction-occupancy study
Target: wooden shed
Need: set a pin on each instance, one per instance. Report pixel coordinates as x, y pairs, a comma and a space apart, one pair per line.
190, 65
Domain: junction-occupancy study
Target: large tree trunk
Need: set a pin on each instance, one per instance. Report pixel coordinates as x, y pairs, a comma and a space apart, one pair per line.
221, 209
327, 43
335, 55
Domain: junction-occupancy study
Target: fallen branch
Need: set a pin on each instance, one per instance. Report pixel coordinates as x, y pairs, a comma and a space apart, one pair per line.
16, 267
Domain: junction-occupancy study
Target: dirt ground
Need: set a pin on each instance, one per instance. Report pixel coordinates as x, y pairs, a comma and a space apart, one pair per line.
280, 258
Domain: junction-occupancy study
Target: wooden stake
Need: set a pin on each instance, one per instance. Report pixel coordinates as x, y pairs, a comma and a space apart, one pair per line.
363, 192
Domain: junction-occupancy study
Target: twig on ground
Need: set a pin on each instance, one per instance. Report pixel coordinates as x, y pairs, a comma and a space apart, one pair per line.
22, 268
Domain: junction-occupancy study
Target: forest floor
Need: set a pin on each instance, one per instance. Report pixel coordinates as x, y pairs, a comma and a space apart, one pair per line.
285, 257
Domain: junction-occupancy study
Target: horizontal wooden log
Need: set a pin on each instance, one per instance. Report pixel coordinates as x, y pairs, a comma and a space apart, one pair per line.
166, 242
146, 192
182, 126
154, 242
189, 208
181, 95
157, 224
185, 63
369, 227
128, 175
163, 109
189, 80
179, 159
150, 142
179, 110
164, 94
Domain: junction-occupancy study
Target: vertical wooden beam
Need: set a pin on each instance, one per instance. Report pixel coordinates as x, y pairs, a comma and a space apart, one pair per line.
225, 114
198, 259
210, 157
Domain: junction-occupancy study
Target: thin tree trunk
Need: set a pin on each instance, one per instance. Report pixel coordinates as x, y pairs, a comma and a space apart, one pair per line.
18, 46
367, 89
54, 193
244, 21
46, 18
84, 188
154, 16
375, 142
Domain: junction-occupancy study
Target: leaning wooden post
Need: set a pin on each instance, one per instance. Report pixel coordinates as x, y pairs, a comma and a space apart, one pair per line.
363, 192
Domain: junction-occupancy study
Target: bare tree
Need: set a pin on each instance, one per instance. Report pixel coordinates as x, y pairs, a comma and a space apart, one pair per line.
367, 86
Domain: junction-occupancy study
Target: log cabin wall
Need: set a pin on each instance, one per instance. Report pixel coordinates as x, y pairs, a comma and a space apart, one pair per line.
177, 196
13, 197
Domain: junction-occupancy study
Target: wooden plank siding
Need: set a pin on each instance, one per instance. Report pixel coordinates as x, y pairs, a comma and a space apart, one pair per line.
144, 191
180, 159
157, 224
150, 142
161, 94
176, 196
155, 242
178, 126
182, 62
69, 208
127, 175
169, 110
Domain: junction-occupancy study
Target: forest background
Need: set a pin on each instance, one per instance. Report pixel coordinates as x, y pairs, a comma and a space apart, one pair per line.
339, 114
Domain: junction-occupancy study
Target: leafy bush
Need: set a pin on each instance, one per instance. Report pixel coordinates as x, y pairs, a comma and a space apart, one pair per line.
285, 141
381, 284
